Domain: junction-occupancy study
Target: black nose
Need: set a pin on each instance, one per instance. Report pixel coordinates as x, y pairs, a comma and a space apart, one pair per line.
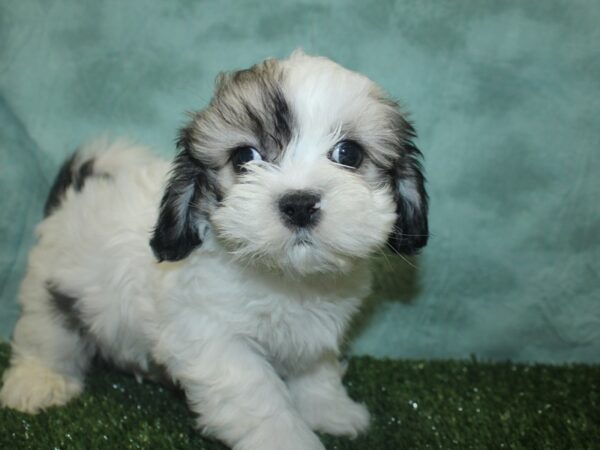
300, 208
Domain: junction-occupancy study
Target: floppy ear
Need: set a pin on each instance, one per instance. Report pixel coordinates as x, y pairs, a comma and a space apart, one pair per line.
411, 230
183, 219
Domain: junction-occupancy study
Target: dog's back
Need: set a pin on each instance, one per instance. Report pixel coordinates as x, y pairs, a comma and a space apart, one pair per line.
89, 265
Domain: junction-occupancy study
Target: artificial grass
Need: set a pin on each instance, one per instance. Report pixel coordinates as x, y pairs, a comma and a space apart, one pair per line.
414, 404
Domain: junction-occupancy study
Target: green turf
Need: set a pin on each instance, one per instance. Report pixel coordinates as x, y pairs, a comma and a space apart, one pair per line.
413, 404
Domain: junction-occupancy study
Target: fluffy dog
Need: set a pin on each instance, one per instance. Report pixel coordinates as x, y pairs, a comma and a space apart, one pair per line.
235, 270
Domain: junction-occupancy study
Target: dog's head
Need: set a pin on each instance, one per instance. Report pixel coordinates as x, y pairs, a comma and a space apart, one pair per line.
296, 164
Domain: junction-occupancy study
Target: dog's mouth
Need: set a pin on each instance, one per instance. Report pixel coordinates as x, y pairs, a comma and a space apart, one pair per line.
302, 241
302, 237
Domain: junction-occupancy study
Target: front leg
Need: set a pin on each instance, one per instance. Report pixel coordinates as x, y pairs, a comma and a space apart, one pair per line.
323, 402
236, 393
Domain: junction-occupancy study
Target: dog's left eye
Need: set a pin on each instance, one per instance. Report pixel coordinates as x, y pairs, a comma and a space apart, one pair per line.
242, 156
347, 153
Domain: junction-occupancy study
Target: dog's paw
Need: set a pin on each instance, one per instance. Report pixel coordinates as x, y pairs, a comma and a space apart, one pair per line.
280, 433
29, 387
340, 417
350, 420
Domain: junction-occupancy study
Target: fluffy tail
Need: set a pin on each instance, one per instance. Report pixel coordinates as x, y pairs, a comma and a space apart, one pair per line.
99, 158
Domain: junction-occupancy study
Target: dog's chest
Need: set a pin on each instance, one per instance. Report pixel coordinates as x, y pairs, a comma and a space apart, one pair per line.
292, 322
294, 332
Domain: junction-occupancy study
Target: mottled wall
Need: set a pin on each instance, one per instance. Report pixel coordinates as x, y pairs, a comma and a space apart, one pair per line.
505, 96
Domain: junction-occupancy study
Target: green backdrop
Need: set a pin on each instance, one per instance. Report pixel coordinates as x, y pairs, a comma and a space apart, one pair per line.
505, 96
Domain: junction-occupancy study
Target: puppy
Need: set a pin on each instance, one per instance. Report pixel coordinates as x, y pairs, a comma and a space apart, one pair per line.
236, 269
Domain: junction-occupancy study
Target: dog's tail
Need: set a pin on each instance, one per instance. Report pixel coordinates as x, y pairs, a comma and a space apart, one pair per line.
99, 158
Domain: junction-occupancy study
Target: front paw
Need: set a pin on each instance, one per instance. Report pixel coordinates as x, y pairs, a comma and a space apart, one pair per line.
342, 417
349, 420
281, 433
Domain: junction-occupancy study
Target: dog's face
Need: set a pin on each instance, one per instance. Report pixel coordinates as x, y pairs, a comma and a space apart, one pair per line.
299, 165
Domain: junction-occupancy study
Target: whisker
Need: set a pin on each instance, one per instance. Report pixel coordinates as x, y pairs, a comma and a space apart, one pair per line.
414, 266
385, 257
399, 231
403, 257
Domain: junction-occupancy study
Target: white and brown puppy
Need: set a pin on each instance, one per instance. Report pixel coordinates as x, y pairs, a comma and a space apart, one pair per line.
236, 268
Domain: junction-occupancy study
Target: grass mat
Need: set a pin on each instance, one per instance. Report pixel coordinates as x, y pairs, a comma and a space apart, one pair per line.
414, 404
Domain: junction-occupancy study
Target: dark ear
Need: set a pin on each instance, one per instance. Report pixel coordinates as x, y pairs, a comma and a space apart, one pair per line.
189, 193
411, 230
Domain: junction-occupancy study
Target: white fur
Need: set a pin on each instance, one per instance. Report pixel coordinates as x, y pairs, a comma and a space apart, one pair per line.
250, 324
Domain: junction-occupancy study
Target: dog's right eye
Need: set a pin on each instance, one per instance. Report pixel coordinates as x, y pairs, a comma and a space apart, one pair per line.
242, 156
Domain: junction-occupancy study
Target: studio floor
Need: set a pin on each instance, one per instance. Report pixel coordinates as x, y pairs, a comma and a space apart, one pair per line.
414, 405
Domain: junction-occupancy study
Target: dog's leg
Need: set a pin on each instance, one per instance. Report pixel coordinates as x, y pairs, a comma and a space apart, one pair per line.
323, 402
48, 359
237, 394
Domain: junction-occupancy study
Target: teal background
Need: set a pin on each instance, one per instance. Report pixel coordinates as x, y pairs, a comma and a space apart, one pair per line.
505, 96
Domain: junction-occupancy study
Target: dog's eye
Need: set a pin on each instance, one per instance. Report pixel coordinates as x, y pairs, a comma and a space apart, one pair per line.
347, 153
242, 156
